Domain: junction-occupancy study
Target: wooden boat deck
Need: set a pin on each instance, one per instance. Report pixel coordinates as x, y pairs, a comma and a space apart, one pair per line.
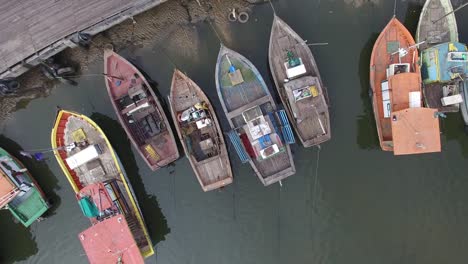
311, 114
139, 111
394, 36
210, 162
238, 98
304, 114
433, 94
72, 128
92, 172
444, 30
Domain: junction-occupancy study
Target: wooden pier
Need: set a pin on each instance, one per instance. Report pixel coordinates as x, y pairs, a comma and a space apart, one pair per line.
34, 30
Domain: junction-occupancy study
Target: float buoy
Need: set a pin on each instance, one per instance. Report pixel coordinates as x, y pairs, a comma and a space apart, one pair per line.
243, 17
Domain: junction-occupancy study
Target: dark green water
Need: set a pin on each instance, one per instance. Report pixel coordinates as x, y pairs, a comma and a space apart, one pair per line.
365, 207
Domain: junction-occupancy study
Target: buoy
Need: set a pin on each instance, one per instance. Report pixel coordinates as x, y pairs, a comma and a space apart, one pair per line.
243, 17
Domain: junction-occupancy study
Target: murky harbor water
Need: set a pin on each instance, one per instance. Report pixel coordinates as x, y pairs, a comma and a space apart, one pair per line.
365, 206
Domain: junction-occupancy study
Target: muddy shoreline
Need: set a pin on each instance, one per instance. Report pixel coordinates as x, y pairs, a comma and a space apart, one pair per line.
169, 23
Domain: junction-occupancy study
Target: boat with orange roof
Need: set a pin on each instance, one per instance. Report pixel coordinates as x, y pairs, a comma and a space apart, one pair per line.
404, 126
103, 190
139, 111
19, 191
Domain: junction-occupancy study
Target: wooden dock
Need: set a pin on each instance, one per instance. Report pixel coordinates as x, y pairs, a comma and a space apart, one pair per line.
34, 30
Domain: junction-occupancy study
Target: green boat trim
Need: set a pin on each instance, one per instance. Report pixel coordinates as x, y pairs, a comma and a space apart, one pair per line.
30, 203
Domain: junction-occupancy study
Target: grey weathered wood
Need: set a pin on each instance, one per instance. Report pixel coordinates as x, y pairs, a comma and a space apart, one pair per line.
433, 29
28, 27
213, 171
309, 116
238, 98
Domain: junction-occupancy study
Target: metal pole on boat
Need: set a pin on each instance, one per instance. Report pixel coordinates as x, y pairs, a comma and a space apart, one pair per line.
316, 44
449, 13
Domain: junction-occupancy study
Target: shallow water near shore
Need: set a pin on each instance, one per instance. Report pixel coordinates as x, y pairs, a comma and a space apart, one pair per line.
347, 203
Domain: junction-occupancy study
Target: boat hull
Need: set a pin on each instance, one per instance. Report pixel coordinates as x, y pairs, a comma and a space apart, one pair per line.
212, 172
121, 76
61, 131
27, 206
312, 124
249, 93
394, 36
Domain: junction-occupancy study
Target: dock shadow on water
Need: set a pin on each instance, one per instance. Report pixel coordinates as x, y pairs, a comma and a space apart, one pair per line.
154, 218
24, 245
367, 137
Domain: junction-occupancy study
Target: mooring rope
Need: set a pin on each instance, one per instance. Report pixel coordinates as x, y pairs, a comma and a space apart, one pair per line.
216, 32
316, 175
272, 7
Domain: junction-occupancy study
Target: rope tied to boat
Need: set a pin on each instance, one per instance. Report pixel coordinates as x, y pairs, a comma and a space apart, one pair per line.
316, 175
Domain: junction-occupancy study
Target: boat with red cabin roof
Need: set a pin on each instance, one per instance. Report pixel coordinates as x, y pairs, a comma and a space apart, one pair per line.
403, 124
102, 188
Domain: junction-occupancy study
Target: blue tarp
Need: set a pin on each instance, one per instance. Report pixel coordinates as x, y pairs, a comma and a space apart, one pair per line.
435, 64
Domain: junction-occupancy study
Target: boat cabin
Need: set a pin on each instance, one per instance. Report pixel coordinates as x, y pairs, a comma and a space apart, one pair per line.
18, 193
444, 63
8, 188
198, 131
102, 200
409, 95
294, 66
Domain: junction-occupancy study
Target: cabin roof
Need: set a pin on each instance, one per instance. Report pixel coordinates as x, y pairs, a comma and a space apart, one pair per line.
436, 65
6, 189
415, 130
110, 241
402, 84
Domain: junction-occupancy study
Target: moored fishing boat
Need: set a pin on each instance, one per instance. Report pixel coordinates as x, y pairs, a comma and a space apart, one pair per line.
260, 133
404, 126
444, 67
437, 34
88, 160
299, 84
199, 133
19, 191
139, 111
437, 24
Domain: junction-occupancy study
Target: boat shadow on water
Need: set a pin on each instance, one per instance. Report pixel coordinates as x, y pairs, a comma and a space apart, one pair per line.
40, 172
367, 137
24, 244
155, 220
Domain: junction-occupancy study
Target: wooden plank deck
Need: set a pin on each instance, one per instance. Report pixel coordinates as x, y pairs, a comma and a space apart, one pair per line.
433, 94
28, 27
304, 115
434, 29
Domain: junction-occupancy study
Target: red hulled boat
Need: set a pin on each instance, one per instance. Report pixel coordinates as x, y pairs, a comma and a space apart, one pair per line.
139, 111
